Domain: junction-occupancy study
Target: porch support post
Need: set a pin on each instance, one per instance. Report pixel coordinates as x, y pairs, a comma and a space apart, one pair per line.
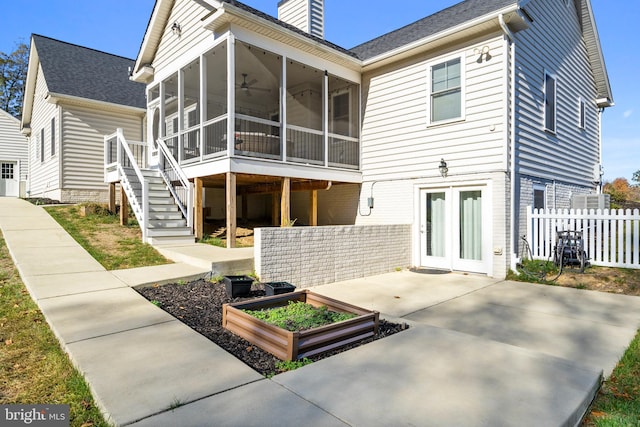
124, 207
180, 115
283, 112
203, 103
198, 212
275, 207
231, 94
325, 114
313, 208
285, 202
231, 209
112, 197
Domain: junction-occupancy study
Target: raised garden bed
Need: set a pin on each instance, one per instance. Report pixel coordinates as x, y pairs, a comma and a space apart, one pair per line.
287, 345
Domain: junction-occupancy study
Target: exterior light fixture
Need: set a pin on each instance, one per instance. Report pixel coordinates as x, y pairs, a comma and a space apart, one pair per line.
176, 29
444, 170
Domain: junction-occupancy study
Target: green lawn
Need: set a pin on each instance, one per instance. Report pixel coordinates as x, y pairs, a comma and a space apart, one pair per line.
33, 367
111, 244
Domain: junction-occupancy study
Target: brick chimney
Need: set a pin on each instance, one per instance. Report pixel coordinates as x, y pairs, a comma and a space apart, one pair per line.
307, 15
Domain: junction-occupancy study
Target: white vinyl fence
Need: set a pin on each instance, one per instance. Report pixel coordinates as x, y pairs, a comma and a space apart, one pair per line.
611, 237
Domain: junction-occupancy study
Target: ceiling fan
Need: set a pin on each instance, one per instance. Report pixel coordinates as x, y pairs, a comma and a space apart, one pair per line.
248, 87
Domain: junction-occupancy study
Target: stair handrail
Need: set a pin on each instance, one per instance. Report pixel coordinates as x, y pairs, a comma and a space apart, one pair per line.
123, 147
166, 154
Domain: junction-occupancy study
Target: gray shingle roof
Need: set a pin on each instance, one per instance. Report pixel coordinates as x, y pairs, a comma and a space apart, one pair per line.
87, 73
433, 24
268, 17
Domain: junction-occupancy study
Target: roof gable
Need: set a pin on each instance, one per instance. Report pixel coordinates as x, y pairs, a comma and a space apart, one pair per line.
451, 17
80, 72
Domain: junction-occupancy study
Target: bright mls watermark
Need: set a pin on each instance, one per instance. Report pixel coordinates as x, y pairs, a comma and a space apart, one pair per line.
34, 415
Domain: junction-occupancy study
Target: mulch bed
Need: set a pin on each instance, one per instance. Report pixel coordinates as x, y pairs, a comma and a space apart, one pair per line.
198, 304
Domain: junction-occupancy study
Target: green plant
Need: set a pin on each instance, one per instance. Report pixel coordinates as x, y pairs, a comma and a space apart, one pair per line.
289, 222
618, 402
156, 303
216, 279
299, 316
291, 365
175, 404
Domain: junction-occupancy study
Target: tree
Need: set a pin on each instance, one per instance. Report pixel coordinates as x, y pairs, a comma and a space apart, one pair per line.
636, 177
13, 75
622, 194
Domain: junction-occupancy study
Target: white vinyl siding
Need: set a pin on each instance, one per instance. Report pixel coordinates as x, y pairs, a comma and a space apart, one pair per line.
83, 131
172, 48
13, 145
396, 143
53, 137
44, 175
554, 43
41, 144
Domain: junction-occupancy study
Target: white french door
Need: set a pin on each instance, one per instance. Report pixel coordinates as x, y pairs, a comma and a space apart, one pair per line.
454, 229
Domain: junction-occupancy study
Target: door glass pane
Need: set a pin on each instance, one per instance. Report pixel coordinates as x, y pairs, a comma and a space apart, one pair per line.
435, 224
471, 225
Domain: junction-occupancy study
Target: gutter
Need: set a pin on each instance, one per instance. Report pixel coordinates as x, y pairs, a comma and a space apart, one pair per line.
512, 129
451, 31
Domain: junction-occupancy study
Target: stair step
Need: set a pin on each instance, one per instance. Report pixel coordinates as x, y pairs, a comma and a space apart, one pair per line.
164, 193
172, 215
170, 223
171, 240
168, 232
164, 209
161, 201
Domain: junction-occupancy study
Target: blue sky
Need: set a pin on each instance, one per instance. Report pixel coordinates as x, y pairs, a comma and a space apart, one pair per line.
117, 26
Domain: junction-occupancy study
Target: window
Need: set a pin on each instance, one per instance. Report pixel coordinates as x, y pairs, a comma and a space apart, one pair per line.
6, 171
582, 114
42, 145
549, 102
539, 201
446, 91
53, 137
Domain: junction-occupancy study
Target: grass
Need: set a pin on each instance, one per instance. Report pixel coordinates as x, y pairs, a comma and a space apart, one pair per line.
618, 402
111, 244
33, 367
299, 316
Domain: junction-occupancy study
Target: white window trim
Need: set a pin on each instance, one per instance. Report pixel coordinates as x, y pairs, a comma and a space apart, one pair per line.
463, 85
543, 188
544, 104
582, 114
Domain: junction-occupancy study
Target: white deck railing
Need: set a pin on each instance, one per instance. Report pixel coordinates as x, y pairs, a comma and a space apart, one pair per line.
179, 185
611, 237
116, 144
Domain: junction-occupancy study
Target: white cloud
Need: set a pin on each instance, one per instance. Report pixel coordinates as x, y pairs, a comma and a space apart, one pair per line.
627, 114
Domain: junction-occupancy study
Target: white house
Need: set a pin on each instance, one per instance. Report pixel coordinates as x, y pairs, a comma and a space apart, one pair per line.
452, 124
73, 96
13, 157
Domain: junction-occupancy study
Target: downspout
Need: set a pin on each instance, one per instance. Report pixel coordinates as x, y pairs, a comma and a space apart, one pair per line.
512, 129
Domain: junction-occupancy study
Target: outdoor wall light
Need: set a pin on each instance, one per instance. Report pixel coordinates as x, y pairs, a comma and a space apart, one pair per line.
444, 170
176, 29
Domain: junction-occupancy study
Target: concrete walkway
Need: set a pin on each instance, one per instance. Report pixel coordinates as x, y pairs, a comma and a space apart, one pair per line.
480, 352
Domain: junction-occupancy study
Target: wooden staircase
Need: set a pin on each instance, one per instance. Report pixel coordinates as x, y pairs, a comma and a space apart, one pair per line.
166, 225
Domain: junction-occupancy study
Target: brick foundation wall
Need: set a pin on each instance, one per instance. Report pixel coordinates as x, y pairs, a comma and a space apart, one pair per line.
309, 256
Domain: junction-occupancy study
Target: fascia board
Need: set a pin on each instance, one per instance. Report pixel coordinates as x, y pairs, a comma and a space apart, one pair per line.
451, 31
56, 98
